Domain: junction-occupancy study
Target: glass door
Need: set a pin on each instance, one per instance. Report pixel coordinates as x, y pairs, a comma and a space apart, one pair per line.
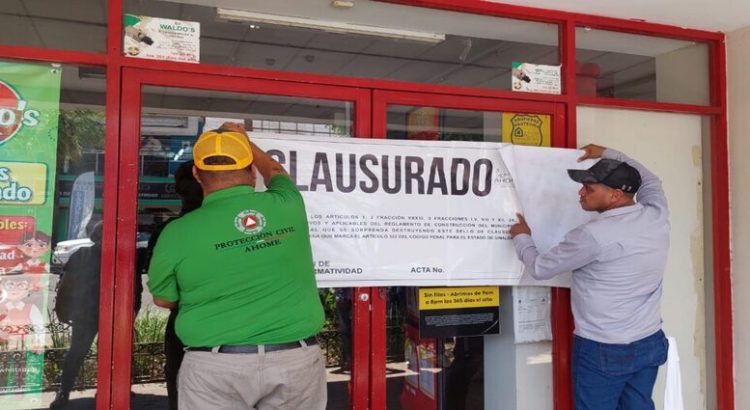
57, 222
163, 113
458, 371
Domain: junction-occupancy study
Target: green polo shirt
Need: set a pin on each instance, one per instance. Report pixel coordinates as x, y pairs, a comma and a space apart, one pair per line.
240, 268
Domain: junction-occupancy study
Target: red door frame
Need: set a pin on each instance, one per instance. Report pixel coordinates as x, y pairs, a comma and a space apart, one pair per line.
561, 325
133, 81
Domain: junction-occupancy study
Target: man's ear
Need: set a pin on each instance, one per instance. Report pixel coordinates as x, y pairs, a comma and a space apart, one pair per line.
617, 195
195, 175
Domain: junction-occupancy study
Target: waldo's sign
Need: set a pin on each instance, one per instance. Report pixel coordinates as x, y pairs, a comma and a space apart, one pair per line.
15, 112
29, 112
22, 183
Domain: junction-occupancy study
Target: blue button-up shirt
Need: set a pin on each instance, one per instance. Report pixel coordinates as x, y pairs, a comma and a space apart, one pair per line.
617, 260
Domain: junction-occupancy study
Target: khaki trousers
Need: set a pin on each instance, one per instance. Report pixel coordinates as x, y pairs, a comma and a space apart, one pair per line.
293, 379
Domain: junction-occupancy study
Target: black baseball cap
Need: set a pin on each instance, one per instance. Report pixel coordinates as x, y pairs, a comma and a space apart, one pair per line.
610, 172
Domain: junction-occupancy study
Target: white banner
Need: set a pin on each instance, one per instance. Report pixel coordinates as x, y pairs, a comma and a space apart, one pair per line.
549, 198
417, 213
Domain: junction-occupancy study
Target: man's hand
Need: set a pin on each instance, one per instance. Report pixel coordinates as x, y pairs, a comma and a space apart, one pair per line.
520, 227
592, 151
265, 165
234, 126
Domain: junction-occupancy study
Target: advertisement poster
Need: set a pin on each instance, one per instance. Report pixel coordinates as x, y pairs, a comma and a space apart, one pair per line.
527, 129
29, 110
535, 78
161, 39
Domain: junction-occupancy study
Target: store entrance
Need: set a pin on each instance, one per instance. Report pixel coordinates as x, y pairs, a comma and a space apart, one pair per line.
163, 113
374, 356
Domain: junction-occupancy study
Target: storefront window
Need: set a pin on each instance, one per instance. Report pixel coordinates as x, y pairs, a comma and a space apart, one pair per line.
620, 65
369, 40
50, 233
79, 25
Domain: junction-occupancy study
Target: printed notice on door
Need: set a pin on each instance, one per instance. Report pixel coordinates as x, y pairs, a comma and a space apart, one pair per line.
415, 213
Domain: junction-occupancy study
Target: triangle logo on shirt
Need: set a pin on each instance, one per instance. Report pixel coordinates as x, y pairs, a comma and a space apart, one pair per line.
249, 221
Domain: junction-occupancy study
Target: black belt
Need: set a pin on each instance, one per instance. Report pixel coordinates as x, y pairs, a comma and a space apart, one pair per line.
255, 348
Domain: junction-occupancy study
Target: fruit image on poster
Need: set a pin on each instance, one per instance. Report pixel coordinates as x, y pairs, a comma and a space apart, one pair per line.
29, 112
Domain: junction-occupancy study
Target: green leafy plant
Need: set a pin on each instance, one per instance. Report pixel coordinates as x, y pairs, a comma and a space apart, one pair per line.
150, 326
79, 130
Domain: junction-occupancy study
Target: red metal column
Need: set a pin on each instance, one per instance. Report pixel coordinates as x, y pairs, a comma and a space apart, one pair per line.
723, 334
126, 232
377, 388
109, 218
562, 316
378, 337
363, 298
110, 198
360, 388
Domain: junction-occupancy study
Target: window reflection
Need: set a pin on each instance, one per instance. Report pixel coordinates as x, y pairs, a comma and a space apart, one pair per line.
620, 65
79, 25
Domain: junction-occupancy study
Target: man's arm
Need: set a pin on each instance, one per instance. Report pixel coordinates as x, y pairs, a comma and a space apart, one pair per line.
576, 250
267, 166
164, 303
650, 193
162, 282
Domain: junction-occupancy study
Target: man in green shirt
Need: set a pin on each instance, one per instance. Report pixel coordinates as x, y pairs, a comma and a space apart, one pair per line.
240, 269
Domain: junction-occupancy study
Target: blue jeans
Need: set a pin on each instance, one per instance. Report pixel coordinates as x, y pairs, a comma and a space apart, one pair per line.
617, 376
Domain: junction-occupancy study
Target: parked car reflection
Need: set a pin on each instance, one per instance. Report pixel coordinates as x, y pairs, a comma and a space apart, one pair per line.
63, 249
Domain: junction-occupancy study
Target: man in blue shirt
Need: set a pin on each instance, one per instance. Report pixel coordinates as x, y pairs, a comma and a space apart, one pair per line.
618, 260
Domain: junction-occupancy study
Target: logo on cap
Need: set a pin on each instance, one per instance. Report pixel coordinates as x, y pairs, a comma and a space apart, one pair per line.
14, 113
249, 221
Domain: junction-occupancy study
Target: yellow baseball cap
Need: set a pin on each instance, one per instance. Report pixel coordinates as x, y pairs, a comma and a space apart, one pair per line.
220, 142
